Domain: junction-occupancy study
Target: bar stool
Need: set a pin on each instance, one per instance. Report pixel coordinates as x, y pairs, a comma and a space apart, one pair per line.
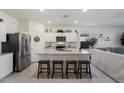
87, 67
72, 69
41, 68
55, 68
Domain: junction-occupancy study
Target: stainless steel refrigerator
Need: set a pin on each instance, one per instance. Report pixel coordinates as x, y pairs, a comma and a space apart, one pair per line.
20, 45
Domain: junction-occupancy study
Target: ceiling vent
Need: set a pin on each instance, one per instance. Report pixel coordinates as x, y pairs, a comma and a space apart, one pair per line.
65, 16
1, 20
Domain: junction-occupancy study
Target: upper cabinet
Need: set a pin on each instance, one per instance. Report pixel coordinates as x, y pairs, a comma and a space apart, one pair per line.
51, 37
71, 37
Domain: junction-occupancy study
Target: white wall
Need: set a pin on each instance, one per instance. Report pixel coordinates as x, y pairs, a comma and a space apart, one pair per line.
113, 32
9, 25
23, 25
36, 29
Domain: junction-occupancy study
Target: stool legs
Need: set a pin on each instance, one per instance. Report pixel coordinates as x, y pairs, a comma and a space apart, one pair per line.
88, 70
74, 69
67, 71
40, 68
80, 67
62, 70
54, 68
38, 71
48, 70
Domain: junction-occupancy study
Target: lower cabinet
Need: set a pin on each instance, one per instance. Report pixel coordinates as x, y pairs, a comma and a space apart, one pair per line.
6, 64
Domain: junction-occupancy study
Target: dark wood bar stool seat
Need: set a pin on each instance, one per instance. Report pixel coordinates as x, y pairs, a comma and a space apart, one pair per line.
71, 69
86, 68
41, 69
57, 69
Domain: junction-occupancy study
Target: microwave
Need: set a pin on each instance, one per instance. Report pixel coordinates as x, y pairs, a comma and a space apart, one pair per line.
61, 39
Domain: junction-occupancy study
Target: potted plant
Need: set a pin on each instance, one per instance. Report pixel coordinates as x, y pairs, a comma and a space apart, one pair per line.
122, 39
92, 41
60, 31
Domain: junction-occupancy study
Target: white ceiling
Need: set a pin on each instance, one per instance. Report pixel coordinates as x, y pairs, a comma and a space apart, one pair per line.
91, 17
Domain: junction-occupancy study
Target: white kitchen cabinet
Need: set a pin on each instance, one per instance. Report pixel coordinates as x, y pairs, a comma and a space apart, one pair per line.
6, 64
71, 37
50, 37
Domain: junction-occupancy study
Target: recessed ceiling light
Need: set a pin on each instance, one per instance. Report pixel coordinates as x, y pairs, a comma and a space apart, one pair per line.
84, 10
48, 22
75, 21
42, 10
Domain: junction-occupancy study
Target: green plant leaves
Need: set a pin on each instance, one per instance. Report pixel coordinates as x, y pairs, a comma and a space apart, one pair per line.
92, 41
122, 39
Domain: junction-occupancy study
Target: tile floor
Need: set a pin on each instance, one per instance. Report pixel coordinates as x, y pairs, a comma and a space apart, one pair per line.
29, 76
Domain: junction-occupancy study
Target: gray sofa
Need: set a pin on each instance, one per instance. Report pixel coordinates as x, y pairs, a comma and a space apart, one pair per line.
118, 50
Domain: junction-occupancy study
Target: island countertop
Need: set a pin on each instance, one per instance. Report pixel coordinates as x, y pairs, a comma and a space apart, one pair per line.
64, 55
85, 52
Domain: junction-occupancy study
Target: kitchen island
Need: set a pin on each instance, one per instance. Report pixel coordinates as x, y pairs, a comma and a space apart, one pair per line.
64, 55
